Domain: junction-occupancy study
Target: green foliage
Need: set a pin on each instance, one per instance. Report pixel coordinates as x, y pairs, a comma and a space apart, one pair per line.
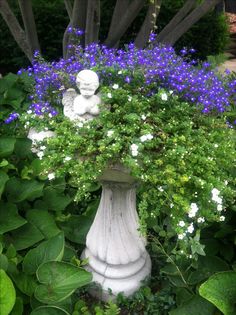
220, 289
7, 293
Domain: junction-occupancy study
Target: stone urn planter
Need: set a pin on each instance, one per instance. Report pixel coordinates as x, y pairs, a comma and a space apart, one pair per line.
115, 249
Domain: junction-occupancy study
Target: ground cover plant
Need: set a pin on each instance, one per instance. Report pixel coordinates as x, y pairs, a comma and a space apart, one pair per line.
172, 124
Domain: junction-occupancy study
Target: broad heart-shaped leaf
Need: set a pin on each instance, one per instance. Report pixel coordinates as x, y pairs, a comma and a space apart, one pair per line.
59, 280
49, 310
19, 190
6, 146
207, 266
23, 147
9, 218
7, 294
44, 221
3, 179
220, 289
51, 250
55, 199
26, 236
76, 228
18, 307
25, 283
194, 306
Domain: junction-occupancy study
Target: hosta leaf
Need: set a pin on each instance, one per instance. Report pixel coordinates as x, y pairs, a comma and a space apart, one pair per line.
25, 283
55, 199
3, 179
7, 293
52, 249
20, 190
6, 146
44, 221
194, 306
10, 219
49, 310
59, 280
26, 236
220, 289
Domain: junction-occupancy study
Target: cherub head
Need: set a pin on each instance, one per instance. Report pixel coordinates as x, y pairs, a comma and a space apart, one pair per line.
87, 82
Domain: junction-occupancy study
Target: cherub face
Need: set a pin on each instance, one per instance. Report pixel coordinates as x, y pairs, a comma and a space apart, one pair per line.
87, 82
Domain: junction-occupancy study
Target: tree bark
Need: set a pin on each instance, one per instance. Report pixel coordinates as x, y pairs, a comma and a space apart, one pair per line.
29, 25
148, 24
92, 21
120, 7
69, 8
189, 21
126, 19
187, 7
15, 28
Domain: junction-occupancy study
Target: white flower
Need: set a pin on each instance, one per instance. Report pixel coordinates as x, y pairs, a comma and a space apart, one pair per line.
181, 236
215, 192
134, 153
216, 145
134, 149
51, 176
115, 86
119, 72
181, 223
143, 117
171, 205
109, 95
110, 133
164, 97
146, 137
149, 136
67, 158
80, 124
219, 207
193, 210
129, 98
190, 228
222, 218
160, 189
29, 111
42, 147
200, 220
40, 154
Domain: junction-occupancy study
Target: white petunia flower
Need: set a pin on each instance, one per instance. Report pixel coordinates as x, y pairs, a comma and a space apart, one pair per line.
134, 149
67, 158
181, 223
219, 207
164, 97
51, 176
160, 189
129, 98
115, 86
181, 236
222, 218
40, 154
200, 220
143, 117
109, 95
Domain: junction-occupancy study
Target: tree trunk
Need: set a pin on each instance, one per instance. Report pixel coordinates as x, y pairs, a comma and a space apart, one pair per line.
126, 19
187, 7
69, 8
29, 24
120, 7
189, 21
15, 28
148, 24
92, 21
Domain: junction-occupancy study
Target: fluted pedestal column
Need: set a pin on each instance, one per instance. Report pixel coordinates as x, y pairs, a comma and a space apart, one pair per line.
117, 256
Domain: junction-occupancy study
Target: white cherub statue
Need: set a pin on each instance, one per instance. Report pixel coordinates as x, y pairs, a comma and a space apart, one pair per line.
83, 106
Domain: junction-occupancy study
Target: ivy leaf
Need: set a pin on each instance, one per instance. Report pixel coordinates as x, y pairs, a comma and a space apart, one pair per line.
50, 250
10, 219
7, 293
59, 280
220, 289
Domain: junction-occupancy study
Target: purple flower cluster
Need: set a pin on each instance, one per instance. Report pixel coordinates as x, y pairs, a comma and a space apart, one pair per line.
13, 116
157, 67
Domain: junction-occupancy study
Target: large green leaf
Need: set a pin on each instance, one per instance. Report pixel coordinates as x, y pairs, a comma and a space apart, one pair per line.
10, 219
220, 289
6, 146
7, 293
3, 179
19, 190
50, 250
26, 236
194, 306
7, 82
23, 147
18, 307
76, 228
49, 310
44, 221
25, 283
206, 267
59, 280
55, 199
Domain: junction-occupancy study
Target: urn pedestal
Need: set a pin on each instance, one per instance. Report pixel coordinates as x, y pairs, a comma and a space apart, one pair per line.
117, 256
